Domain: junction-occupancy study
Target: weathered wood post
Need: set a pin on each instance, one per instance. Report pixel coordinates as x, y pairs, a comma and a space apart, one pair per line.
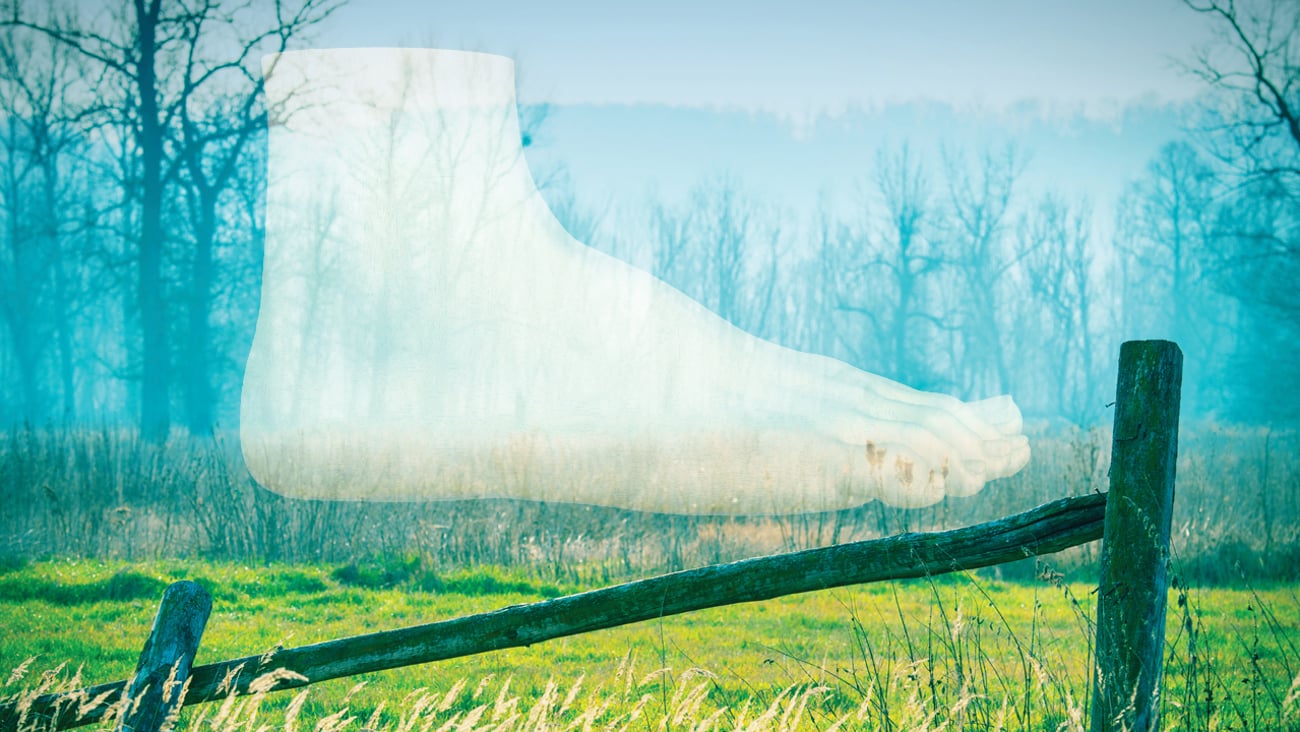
1135, 548
168, 655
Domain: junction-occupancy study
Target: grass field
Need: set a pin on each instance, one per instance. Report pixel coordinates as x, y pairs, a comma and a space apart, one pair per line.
109, 495
94, 524
957, 652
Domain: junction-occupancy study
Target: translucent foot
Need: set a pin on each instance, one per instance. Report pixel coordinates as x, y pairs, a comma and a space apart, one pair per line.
428, 330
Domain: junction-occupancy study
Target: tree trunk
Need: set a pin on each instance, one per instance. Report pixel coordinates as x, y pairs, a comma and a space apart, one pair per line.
198, 382
19, 304
155, 373
60, 308
63, 334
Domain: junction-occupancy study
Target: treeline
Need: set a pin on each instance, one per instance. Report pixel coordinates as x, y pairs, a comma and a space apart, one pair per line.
132, 170
948, 273
132, 140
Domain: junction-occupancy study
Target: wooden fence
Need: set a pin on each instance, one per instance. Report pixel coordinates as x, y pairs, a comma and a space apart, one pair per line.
1134, 517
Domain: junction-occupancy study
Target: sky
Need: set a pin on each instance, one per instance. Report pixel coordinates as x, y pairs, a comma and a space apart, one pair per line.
801, 58
794, 99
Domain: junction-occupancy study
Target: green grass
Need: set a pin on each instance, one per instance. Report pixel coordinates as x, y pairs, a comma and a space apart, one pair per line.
960, 650
125, 518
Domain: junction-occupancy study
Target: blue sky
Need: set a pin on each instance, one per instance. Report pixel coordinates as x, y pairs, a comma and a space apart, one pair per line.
793, 99
798, 58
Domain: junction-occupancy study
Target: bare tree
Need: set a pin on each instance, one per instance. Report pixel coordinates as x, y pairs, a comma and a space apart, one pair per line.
980, 206
671, 232
154, 59
38, 100
556, 185
1254, 66
891, 269
1171, 236
1251, 127
1059, 260
582, 223
717, 250
215, 129
725, 226
816, 291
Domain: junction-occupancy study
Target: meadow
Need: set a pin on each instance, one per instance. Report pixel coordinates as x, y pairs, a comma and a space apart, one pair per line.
955, 652
95, 524
105, 494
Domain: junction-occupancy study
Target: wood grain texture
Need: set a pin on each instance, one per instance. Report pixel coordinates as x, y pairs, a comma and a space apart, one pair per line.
1134, 586
155, 691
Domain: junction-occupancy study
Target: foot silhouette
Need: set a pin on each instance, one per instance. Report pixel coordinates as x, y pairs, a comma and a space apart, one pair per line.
429, 330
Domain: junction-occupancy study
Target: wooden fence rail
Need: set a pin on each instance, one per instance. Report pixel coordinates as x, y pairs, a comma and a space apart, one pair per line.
1122, 656
1048, 528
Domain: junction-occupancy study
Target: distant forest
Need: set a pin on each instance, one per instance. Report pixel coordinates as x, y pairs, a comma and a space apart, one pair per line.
133, 173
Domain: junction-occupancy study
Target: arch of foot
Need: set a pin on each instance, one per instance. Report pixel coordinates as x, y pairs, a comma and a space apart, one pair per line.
429, 330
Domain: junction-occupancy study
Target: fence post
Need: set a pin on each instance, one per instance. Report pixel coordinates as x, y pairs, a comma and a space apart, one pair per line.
156, 690
1135, 549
